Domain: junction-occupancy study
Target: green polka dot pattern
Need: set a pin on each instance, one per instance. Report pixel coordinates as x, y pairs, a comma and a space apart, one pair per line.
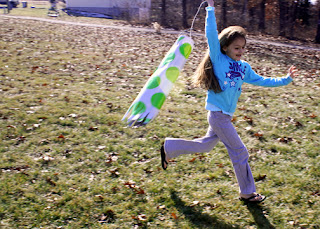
154, 82
185, 50
152, 97
172, 74
169, 58
157, 100
180, 38
138, 108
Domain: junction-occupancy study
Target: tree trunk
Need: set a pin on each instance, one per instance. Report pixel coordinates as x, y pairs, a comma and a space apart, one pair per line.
223, 17
262, 16
304, 11
184, 14
163, 13
293, 17
282, 17
252, 21
245, 12
318, 30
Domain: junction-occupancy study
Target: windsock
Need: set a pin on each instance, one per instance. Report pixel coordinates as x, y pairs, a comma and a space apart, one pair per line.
152, 96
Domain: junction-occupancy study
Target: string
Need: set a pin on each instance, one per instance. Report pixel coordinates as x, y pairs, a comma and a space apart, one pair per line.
195, 16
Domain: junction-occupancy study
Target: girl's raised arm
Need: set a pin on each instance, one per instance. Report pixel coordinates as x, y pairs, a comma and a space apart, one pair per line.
212, 32
210, 3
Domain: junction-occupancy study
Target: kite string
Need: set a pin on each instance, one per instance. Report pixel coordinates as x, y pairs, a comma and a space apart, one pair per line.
195, 16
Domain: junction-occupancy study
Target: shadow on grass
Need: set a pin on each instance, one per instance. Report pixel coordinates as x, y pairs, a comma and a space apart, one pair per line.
196, 217
258, 214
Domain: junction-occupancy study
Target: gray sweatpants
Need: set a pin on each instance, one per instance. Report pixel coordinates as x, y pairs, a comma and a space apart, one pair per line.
220, 128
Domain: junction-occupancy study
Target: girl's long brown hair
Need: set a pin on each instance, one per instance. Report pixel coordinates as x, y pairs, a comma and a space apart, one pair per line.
204, 76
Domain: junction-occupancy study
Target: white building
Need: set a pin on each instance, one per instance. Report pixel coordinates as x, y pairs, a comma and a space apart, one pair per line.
137, 9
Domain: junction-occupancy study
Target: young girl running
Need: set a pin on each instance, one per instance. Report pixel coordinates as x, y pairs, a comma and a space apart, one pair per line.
222, 73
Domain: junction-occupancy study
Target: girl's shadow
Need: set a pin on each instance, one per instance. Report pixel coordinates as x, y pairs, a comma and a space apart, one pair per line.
196, 217
258, 214
203, 220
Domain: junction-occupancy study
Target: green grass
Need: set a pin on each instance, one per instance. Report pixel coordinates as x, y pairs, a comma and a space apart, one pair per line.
67, 160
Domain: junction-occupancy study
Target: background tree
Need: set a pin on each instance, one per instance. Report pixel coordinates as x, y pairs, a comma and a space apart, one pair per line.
223, 16
282, 17
303, 11
245, 12
262, 17
294, 19
163, 12
184, 14
318, 28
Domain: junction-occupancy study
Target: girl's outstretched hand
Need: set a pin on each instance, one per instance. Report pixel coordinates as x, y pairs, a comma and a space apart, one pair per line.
210, 2
293, 71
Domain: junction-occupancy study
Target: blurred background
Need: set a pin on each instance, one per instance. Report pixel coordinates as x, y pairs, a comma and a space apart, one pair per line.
293, 19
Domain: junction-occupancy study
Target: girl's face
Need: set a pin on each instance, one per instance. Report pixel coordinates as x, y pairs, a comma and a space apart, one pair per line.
236, 49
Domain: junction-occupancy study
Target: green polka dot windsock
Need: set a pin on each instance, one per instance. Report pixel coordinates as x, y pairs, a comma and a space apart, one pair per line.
151, 98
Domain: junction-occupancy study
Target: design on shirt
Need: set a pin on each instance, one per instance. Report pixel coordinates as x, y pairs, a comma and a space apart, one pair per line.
236, 73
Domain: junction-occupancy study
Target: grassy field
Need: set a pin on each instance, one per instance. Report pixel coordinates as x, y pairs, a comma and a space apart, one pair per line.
67, 160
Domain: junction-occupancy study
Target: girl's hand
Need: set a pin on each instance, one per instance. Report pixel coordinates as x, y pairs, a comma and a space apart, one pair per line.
293, 71
210, 2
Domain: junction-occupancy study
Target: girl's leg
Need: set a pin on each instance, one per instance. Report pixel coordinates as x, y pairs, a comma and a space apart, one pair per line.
238, 153
176, 146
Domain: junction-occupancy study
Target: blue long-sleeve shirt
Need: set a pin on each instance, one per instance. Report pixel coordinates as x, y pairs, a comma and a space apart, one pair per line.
231, 74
